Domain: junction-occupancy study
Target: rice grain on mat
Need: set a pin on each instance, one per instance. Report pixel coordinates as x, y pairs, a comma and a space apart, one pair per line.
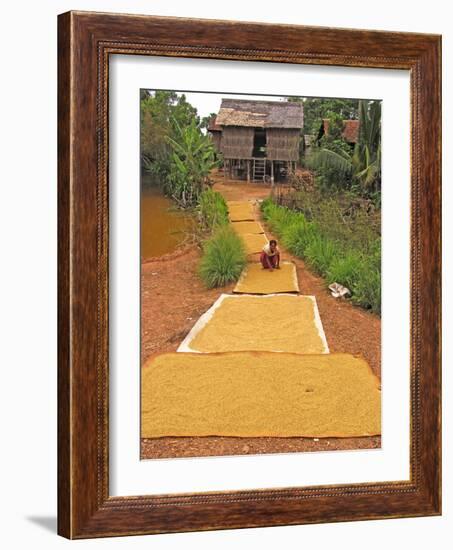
258, 394
263, 323
247, 227
256, 280
254, 243
241, 212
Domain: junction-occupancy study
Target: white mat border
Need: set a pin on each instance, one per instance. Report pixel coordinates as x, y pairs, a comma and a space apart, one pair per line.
184, 347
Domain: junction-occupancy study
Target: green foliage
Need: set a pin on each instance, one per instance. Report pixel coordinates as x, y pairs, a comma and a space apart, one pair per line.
345, 269
298, 235
278, 218
204, 123
332, 163
320, 253
366, 159
343, 217
223, 258
336, 124
367, 287
317, 108
339, 167
174, 150
192, 158
159, 112
213, 210
347, 252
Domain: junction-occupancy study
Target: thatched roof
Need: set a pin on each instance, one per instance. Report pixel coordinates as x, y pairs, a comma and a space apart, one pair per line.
260, 114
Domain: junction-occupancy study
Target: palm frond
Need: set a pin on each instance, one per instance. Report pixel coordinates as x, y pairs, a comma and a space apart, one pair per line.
325, 158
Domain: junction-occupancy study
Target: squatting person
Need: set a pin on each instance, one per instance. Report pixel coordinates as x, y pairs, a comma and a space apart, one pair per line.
270, 256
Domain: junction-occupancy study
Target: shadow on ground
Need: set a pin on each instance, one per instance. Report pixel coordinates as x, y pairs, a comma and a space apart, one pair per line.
49, 523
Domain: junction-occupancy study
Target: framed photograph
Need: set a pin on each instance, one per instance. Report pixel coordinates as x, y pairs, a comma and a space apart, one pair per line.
249, 275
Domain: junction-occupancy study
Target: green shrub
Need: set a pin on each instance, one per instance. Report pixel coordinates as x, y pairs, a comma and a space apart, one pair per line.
320, 253
349, 254
366, 290
345, 269
297, 236
276, 216
213, 210
223, 258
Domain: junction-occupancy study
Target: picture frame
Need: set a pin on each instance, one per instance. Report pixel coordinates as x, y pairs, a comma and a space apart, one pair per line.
85, 42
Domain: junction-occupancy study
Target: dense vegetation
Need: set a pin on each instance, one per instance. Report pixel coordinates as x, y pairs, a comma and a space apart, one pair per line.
223, 258
316, 109
173, 147
180, 157
334, 225
343, 251
213, 210
338, 166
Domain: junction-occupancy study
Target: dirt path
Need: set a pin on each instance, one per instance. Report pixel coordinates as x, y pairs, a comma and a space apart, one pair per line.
173, 297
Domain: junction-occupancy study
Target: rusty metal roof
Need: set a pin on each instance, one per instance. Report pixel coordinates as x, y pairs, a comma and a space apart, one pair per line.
350, 132
260, 114
213, 126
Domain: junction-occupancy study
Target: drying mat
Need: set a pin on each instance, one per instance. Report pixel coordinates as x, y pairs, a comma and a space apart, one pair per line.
232, 204
274, 322
259, 394
254, 243
256, 280
241, 212
247, 227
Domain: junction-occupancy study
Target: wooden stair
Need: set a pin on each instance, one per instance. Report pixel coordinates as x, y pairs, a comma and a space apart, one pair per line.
259, 169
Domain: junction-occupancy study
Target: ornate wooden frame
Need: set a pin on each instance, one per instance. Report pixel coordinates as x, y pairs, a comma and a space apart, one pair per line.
85, 41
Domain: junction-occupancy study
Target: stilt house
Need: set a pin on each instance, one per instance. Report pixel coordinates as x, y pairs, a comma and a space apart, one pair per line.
259, 140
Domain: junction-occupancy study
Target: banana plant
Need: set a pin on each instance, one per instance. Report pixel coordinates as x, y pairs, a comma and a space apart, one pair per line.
193, 158
364, 164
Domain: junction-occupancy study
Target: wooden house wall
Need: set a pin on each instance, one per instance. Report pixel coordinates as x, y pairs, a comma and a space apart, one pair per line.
282, 144
237, 143
216, 138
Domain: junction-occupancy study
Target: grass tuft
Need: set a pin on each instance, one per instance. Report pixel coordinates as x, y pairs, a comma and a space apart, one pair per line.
223, 259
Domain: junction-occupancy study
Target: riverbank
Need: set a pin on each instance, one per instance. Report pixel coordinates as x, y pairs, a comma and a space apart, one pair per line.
163, 227
173, 297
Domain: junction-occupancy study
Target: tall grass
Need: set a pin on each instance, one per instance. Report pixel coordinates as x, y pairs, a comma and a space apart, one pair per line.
320, 253
223, 258
349, 257
213, 210
345, 269
367, 286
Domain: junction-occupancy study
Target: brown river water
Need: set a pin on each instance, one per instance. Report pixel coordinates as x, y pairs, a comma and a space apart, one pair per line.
163, 226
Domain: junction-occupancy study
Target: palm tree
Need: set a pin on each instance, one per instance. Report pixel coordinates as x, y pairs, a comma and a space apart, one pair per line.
364, 164
367, 151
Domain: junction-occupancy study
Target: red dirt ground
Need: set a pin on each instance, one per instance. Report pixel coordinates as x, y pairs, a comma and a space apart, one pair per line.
173, 297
